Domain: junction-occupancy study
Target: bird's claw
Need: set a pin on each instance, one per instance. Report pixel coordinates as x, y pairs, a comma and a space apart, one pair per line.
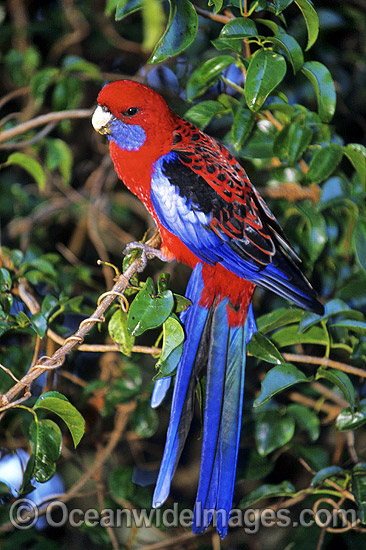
147, 253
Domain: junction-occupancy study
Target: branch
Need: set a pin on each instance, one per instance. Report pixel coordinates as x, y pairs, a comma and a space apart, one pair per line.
57, 359
44, 119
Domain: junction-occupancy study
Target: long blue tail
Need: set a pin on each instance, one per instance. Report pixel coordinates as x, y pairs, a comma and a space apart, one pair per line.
214, 348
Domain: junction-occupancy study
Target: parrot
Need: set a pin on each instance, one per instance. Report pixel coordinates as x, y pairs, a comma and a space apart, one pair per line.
211, 218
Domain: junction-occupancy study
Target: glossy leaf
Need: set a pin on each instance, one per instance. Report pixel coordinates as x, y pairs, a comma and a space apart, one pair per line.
356, 153
262, 348
290, 48
323, 84
118, 331
31, 165
149, 310
239, 28
292, 141
207, 75
279, 318
278, 379
350, 324
46, 443
283, 489
325, 473
202, 113
311, 20
349, 419
280, 5
324, 162
125, 8
306, 419
144, 420
173, 338
242, 126
290, 336
180, 32
57, 403
340, 379
266, 70
273, 430
39, 324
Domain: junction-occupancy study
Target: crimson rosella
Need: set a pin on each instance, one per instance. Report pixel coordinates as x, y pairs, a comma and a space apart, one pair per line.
210, 217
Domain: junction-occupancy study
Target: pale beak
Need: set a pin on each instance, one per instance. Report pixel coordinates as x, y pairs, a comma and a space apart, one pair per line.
102, 119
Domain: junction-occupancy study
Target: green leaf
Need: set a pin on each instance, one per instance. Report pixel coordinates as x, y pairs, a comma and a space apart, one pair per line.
125, 8
31, 165
262, 348
180, 32
280, 5
350, 324
206, 75
41, 81
356, 153
257, 466
292, 141
314, 455
144, 420
202, 113
323, 84
340, 379
290, 48
333, 307
359, 489
39, 324
268, 490
311, 20
242, 127
324, 162
48, 305
239, 28
227, 44
58, 404
46, 443
118, 331
325, 473
266, 70
349, 419
273, 430
306, 419
279, 318
277, 379
173, 338
359, 242
290, 336
59, 155
149, 310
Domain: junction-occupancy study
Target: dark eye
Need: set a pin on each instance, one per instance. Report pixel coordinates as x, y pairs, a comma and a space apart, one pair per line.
131, 111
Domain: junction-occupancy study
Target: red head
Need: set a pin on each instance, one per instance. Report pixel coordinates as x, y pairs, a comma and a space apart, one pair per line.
134, 117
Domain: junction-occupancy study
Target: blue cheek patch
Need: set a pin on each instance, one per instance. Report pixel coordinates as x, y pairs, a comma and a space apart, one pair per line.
127, 136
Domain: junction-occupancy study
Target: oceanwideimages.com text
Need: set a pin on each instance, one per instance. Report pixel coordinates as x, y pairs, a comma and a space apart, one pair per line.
24, 514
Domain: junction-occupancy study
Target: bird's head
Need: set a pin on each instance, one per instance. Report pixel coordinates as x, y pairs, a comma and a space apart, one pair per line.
133, 116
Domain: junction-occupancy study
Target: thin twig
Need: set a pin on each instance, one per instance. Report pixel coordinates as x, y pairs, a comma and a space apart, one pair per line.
58, 116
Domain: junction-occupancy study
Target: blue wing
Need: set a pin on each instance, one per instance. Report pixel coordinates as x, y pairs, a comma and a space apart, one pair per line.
188, 206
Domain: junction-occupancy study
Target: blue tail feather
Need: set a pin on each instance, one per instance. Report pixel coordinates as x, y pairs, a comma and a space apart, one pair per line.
213, 344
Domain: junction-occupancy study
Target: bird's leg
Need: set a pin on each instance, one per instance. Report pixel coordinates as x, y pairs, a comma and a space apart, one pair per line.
147, 253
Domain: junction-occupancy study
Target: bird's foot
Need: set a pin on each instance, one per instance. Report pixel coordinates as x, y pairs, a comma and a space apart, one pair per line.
147, 253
